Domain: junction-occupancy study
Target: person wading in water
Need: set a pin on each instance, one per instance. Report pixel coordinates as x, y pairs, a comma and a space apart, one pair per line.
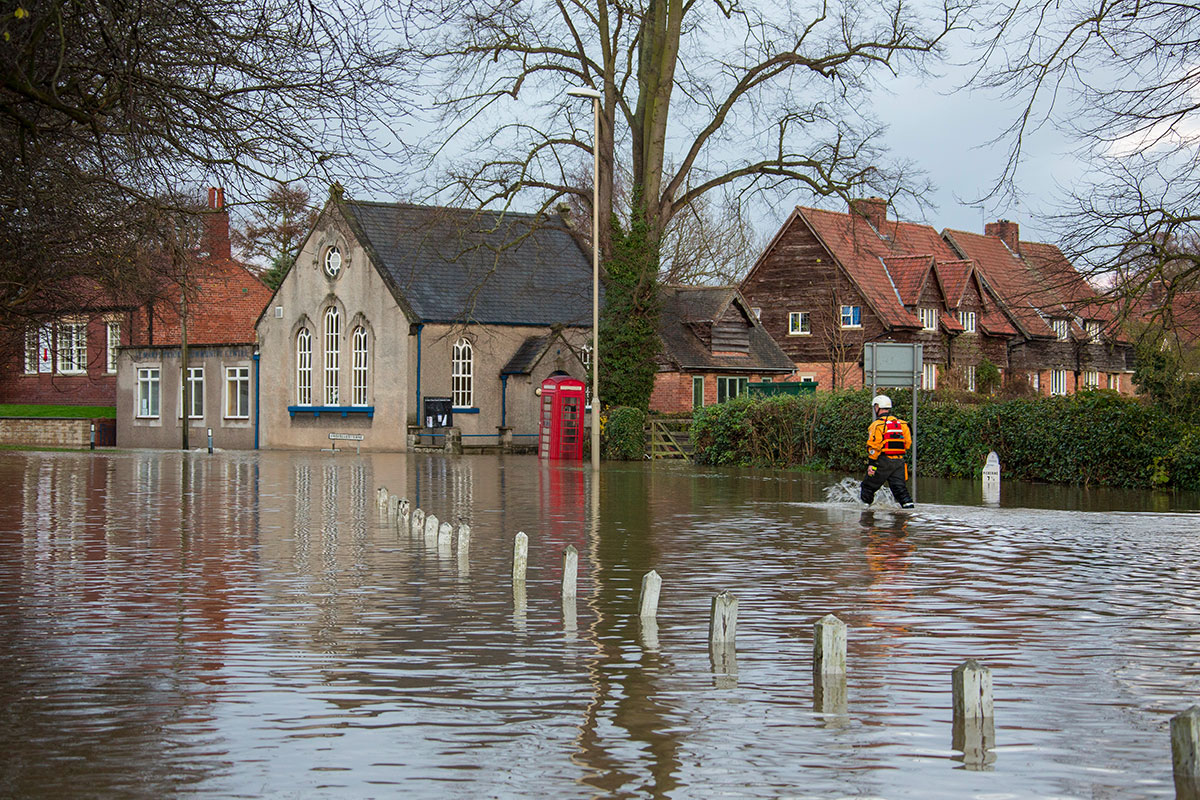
888, 440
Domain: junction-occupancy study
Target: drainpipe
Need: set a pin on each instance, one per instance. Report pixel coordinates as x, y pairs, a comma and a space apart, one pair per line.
256, 402
420, 416
503, 401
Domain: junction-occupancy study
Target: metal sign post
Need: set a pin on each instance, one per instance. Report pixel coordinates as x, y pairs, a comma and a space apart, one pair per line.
895, 365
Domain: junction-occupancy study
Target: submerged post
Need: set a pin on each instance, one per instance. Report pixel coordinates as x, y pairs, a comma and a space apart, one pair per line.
418, 522
1185, 753
648, 602
829, 646
520, 558
974, 731
431, 528
991, 479
464, 548
722, 623
381, 496
570, 572
445, 536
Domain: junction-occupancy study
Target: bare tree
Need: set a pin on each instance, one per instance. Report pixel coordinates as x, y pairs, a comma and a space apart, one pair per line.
756, 97
106, 110
1122, 78
271, 235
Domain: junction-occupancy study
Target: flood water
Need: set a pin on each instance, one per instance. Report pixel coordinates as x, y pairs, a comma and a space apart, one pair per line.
250, 625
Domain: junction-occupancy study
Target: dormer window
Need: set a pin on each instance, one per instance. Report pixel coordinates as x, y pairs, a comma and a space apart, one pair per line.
1092, 329
967, 320
929, 318
1062, 328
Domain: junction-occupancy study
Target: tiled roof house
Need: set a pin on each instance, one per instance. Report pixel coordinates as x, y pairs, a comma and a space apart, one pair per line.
831, 281
712, 346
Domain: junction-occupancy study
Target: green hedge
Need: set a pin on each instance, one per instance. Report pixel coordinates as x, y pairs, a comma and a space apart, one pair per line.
1094, 438
624, 434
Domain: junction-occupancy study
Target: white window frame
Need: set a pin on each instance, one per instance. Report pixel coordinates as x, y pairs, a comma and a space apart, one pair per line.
1091, 379
149, 392
969, 375
1092, 328
237, 390
332, 356
32, 351
304, 367
967, 320
72, 348
195, 377
359, 366
112, 333
1062, 328
799, 323
1114, 381
850, 313
1058, 382
928, 317
462, 374
929, 376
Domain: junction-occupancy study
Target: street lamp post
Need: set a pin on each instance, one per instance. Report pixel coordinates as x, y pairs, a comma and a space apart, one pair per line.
595, 96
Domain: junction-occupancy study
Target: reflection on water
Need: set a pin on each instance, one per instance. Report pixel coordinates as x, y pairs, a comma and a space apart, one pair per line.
252, 625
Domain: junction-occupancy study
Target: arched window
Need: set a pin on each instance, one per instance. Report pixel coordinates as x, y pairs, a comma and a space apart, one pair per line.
358, 374
462, 375
304, 367
333, 333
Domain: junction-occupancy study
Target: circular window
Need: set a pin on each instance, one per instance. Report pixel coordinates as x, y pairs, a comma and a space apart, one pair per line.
333, 262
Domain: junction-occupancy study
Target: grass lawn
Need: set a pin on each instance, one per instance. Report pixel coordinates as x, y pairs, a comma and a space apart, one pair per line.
74, 412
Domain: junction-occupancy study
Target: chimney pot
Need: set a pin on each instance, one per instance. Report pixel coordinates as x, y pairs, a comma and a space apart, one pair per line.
1007, 231
873, 209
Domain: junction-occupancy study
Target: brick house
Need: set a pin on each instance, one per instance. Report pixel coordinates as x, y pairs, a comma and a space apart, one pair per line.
222, 308
831, 281
392, 310
1068, 339
712, 346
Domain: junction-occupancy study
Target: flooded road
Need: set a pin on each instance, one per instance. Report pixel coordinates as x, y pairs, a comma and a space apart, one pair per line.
249, 625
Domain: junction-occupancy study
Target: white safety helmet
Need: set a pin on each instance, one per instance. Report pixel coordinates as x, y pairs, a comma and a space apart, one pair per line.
882, 401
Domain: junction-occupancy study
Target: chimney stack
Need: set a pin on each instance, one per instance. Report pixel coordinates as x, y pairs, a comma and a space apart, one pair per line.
216, 225
873, 209
1007, 231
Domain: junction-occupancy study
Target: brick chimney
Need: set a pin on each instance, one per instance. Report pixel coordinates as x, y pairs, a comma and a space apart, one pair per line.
216, 225
873, 209
1007, 231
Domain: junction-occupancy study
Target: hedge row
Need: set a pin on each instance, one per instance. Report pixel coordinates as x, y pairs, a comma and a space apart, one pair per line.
1094, 438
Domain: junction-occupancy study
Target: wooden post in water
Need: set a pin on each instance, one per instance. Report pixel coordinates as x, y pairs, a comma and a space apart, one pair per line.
520, 558
431, 528
570, 573
1185, 753
648, 602
974, 731
829, 646
722, 623
418, 522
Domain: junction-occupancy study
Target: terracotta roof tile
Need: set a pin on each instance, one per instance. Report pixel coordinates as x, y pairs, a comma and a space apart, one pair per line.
1019, 286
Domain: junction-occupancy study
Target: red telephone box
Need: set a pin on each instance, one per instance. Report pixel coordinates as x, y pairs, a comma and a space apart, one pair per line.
561, 426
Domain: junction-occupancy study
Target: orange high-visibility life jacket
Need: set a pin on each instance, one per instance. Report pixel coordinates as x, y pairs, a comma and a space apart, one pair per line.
894, 436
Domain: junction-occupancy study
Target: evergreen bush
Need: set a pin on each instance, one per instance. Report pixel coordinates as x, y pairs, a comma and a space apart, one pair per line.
1094, 438
624, 434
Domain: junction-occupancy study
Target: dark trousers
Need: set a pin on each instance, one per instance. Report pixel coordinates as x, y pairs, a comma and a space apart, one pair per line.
892, 471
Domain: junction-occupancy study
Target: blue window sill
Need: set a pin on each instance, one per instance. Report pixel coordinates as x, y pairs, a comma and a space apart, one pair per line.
345, 411
464, 410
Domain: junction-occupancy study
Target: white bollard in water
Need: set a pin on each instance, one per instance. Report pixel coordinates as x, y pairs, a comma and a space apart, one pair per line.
418, 522
722, 624
829, 646
971, 684
431, 528
570, 572
393, 505
991, 479
381, 497
520, 558
648, 602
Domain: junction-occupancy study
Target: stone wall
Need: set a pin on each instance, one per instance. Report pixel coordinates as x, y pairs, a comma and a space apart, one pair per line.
45, 432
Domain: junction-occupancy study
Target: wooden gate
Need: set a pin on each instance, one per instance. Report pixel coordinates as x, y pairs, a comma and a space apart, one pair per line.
670, 437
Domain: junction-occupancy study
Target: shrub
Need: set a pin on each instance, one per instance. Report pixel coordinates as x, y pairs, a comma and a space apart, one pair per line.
624, 434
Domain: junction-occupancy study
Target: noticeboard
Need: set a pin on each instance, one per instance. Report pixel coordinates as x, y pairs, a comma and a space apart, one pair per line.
892, 364
438, 412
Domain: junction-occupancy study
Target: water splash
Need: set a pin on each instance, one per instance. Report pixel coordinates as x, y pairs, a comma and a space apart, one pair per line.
846, 491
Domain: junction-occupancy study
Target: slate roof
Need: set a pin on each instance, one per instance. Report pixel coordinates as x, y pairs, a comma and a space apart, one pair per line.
465, 265
688, 310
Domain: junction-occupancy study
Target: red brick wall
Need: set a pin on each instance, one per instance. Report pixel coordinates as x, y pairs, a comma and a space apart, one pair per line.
96, 388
